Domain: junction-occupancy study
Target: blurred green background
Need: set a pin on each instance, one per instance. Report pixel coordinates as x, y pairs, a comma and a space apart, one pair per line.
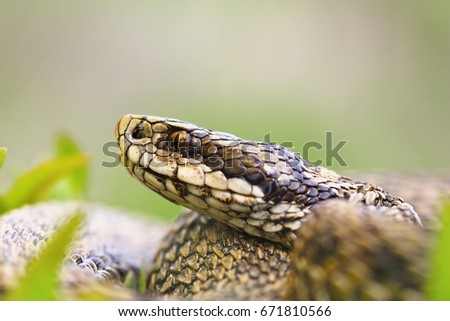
375, 73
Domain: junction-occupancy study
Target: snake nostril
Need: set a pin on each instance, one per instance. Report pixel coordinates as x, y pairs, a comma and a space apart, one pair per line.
137, 133
142, 130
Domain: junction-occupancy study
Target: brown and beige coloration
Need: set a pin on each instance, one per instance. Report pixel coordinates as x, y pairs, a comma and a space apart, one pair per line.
258, 188
104, 253
264, 224
329, 236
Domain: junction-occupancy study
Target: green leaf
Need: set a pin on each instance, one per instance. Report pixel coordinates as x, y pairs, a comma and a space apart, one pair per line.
75, 185
130, 281
41, 282
34, 185
438, 283
139, 284
143, 278
3, 151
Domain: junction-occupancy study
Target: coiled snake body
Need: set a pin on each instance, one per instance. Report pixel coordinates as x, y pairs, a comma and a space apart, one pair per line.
265, 224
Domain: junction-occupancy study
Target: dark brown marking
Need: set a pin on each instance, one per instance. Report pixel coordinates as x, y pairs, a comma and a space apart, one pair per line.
209, 149
254, 176
251, 161
234, 168
214, 162
232, 153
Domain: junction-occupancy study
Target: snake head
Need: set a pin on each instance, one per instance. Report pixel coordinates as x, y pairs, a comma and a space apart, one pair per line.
262, 189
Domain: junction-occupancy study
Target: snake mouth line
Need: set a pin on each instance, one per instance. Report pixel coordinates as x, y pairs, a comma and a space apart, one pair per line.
160, 177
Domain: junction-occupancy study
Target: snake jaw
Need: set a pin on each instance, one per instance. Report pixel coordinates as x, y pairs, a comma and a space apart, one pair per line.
261, 189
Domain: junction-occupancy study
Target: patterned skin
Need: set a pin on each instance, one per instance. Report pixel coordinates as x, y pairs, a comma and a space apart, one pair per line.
258, 188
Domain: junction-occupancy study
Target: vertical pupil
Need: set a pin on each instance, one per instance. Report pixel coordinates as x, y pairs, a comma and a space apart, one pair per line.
176, 141
181, 141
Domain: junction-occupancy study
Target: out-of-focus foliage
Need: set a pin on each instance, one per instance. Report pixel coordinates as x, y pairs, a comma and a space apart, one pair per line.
75, 184
63, 177
41, 182
34, 185
3, 151
438, 287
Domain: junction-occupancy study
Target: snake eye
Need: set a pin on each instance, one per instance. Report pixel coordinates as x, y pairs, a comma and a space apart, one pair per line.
180, 139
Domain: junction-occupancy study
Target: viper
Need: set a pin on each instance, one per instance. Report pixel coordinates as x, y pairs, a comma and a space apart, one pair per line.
265, 223
260, 223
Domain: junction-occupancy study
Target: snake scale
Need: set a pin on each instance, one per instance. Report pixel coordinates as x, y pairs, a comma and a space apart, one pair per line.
260, 223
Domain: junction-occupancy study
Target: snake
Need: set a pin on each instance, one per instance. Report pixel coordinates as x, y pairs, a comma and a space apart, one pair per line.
260, 223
